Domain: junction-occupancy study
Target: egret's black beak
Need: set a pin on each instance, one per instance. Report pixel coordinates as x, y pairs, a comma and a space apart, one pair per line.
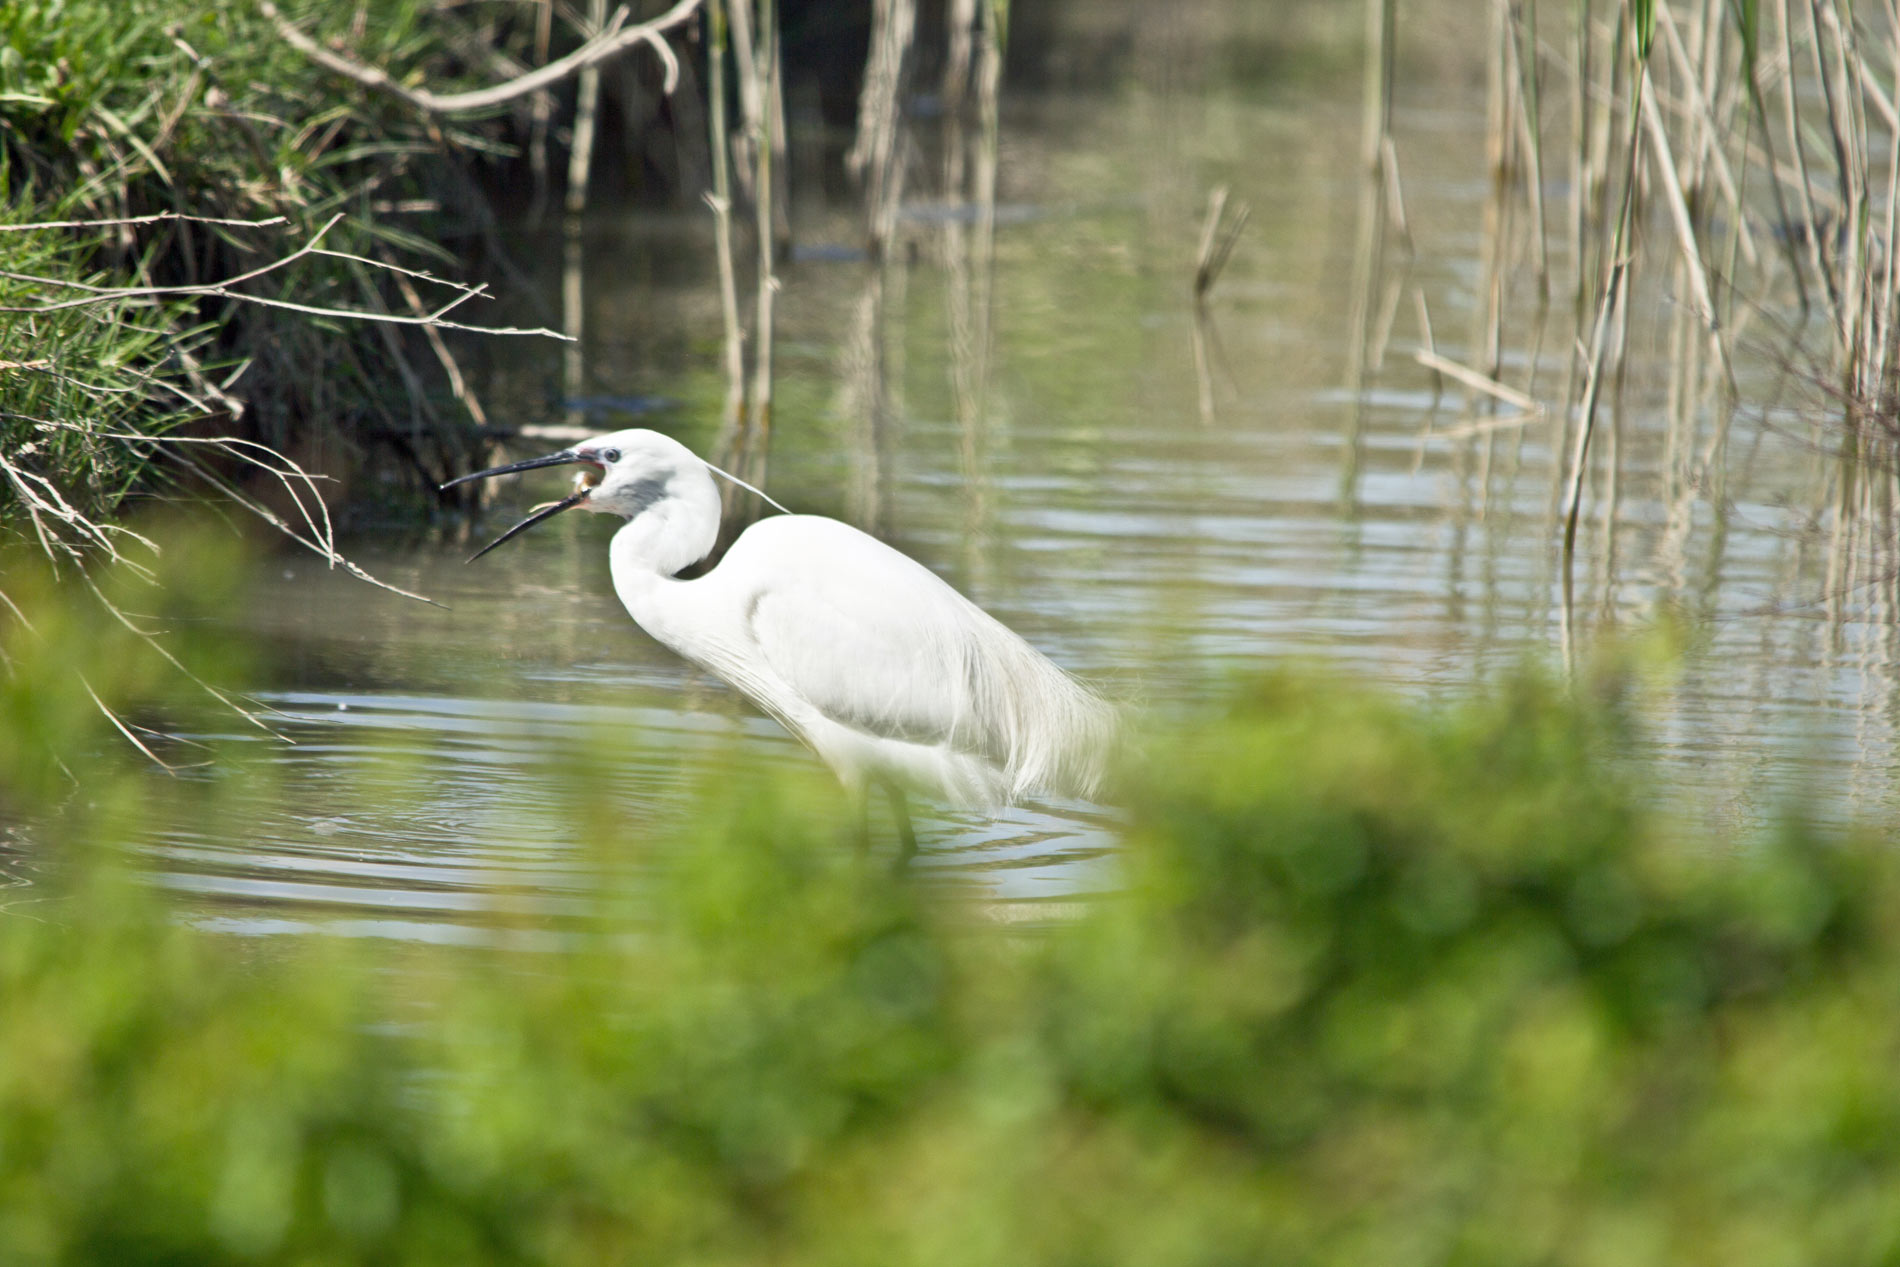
548, 511
566, 457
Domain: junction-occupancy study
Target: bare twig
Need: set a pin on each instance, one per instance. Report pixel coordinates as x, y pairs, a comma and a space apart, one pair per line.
123, 729
225, 289
151, 640
1218, 236
615, 38
151, 219
450, 366
1478, 382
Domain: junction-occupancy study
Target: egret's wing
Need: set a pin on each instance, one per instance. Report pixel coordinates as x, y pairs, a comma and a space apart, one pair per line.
839, 623
875, 641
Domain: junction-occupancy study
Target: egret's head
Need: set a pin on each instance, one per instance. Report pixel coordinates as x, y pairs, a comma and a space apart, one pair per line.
622, 473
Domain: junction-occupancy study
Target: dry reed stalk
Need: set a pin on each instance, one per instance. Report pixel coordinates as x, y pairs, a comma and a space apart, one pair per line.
580, 155
1218, 236
1501, 134
573, 319
1678, 206
780, 142
1478, 382
992, 27
862, 386
960, 28
969, 257
751, 98
1709, 127
1368, 245
967, 384
1609, 499
1485, 426
1522, 48
1613, 302
873, 158
720, 200
1841, 97
746, 155
1811, 229
1579, 156
1203, 369
541, 113
160, 217
1886, 332
762, 72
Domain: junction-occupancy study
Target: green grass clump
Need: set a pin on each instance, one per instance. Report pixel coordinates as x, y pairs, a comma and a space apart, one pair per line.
75, 381
193, 146
1384, 983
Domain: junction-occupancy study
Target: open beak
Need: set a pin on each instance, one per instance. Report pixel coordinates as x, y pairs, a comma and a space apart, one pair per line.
549, 511
566, 457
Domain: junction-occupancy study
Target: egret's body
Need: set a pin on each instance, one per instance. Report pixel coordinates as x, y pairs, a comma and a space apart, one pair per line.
886, 672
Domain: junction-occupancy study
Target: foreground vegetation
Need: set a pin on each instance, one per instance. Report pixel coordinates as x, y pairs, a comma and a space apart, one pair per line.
1381, 983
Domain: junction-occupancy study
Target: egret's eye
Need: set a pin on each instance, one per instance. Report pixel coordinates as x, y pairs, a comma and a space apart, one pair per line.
610, 456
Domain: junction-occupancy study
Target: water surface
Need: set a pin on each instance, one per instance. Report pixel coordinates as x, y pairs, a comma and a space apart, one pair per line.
1016, 399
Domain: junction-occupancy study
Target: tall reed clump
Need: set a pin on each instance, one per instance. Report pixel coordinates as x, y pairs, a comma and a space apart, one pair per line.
1714, 181
1383, 983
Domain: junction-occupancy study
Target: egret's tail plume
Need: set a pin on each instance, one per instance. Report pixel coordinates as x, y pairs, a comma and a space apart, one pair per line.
1071, 746
1047, 732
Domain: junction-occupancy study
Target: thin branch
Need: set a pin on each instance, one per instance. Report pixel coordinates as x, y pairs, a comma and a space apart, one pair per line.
616, 38
224, 290
106, 293
151, 219
1217, 243
450, 366
151, 640
1477, 382
125, 730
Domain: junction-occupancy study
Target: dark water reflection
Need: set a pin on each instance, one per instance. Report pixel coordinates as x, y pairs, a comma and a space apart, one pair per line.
1022, 413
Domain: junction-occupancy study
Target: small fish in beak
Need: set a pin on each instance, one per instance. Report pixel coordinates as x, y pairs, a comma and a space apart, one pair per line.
585, 481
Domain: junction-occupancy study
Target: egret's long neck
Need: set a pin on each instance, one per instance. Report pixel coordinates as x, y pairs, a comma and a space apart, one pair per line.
674, 532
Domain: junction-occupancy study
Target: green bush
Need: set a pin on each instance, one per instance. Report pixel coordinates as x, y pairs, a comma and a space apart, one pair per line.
1382, 983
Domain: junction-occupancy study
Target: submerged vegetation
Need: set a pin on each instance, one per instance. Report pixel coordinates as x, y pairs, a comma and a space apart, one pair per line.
1382, 982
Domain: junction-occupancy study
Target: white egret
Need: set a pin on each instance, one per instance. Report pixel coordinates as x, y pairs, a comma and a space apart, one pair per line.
879, 666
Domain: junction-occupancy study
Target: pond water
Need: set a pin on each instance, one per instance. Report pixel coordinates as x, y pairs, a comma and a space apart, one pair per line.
1023, 401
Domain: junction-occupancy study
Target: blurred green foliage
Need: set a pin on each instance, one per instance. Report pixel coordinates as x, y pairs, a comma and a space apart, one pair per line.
1383, 983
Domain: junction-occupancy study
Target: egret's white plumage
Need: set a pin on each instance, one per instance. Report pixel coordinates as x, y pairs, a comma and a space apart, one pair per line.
885, 671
